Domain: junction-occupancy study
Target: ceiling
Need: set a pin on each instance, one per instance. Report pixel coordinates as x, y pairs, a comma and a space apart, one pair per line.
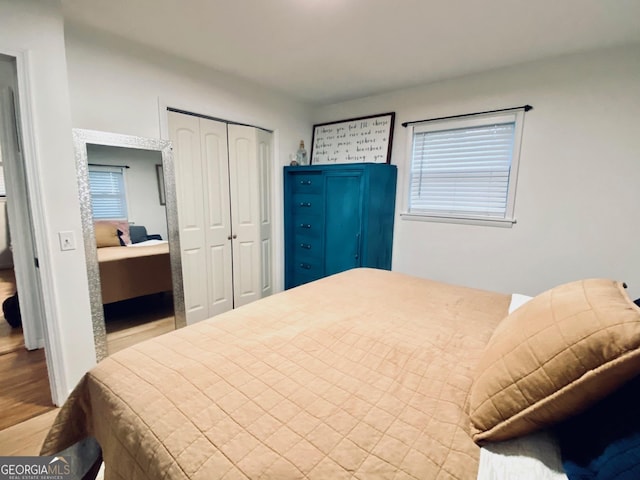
325, 51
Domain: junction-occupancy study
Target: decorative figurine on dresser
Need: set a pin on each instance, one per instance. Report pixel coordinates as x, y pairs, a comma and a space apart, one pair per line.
337, 217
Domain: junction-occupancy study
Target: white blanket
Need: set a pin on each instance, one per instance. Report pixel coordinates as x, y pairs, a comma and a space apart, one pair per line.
532, 457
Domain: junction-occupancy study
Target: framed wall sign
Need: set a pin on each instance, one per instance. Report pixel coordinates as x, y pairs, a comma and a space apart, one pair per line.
356, 140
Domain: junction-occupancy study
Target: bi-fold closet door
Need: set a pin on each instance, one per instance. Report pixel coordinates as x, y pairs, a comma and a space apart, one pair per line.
223, 185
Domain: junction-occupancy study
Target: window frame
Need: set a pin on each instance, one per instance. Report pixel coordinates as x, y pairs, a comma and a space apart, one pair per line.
466, 121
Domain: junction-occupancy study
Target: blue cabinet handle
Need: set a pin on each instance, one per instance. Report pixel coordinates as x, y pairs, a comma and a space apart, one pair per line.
306, 246
305, 182
305, 225
306, 266
305, 204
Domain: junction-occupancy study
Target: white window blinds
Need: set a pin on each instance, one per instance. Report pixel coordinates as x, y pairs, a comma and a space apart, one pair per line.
108, 197
464, 168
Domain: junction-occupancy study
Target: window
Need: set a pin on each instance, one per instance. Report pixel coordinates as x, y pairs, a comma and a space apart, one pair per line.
465, 169
108, 197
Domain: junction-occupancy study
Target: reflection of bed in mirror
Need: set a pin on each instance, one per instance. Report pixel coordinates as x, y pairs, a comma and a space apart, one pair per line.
132, 263
133, 271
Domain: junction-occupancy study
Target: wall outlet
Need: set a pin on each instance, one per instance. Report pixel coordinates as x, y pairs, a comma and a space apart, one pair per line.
67, 240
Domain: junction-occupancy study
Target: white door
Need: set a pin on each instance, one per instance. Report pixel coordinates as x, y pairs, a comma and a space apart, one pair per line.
265, 167
189, 172
202, 187
223, 184
245, 213
19, 214
218, 215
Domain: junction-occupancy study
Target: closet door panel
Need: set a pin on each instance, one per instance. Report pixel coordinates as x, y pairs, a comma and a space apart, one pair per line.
245, 213
184, 131
245, 287
266, 267
265, 165
243, 165
195, 292
221, 282
214, 150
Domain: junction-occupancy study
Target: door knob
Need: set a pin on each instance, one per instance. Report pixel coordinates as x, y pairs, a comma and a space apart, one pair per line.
232, 236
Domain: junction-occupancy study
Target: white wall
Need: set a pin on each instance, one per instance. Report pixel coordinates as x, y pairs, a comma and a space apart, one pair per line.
141, 184
116, 86
579, 184
35, 28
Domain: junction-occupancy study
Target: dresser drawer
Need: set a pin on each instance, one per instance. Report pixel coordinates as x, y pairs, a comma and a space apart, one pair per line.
307, 182
307, 246
308, 226
308, 267
306, 204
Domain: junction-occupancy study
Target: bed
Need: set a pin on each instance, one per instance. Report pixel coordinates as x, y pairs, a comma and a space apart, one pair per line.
365, 374
131, 262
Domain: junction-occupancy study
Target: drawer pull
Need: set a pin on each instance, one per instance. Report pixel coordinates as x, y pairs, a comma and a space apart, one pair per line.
306, 246
305, 225
305, 204
305, 266
305, 182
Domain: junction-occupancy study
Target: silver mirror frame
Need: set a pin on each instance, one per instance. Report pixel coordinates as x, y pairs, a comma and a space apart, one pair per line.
81, 138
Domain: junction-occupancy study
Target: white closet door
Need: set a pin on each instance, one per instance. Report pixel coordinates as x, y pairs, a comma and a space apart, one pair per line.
184, 131
218, 215
245, 216
223, 183
265, 165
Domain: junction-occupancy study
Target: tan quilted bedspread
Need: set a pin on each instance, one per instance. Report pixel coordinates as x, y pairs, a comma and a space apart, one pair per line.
363, 375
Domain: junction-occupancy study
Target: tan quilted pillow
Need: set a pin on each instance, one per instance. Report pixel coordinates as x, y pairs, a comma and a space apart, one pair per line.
106, 234
553, 357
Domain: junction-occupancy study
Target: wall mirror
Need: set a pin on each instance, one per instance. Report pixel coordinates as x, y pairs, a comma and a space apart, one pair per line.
131, 237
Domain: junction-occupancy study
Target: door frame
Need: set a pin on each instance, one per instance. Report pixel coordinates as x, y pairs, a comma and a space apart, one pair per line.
51, 340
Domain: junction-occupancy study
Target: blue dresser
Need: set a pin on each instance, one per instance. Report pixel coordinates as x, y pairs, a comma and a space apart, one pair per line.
337, 217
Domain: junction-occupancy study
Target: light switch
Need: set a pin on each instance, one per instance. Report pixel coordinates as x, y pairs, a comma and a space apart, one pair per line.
67, 240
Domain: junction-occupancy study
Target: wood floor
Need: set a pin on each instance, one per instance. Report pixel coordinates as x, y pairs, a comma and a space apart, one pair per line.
11, 339
26, 410
24, 384
133, 321
26, 438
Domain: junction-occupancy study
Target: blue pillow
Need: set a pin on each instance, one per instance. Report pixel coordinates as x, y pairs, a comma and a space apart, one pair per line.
138, 233
603, 443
